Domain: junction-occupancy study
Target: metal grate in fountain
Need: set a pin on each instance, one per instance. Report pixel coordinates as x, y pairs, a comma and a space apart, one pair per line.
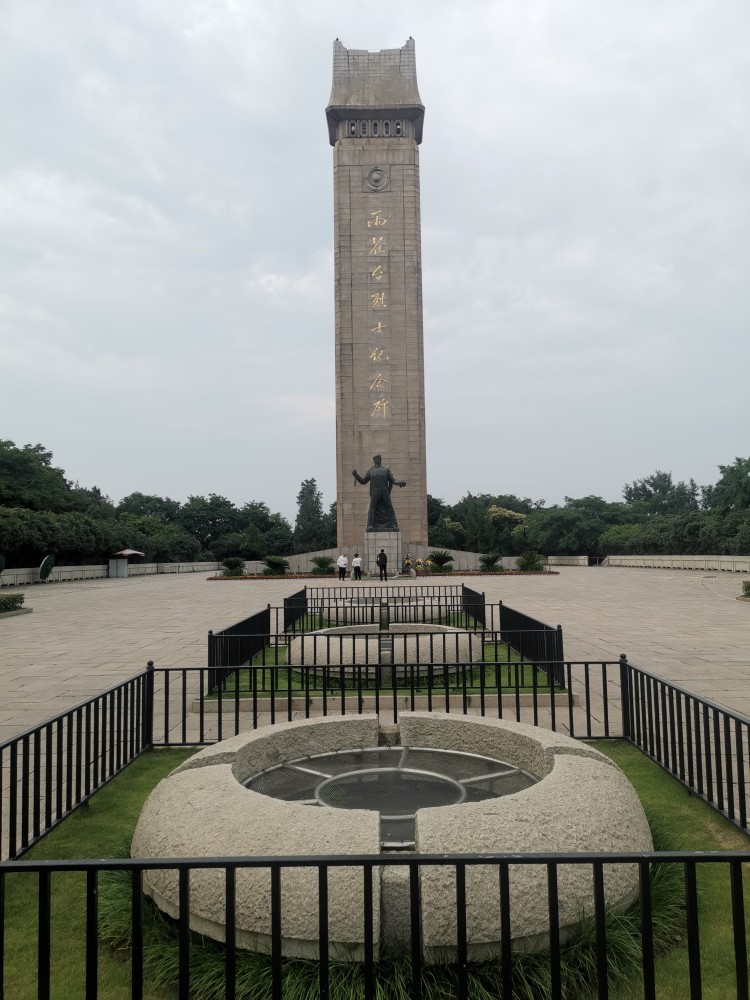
394, 781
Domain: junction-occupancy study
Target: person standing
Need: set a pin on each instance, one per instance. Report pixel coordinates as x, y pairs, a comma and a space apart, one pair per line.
357, 566
382, 561
342, 562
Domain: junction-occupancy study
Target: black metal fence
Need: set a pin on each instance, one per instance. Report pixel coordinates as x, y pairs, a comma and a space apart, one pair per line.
534, 640
455, 606
237, 644
295, 608
703, 745
688, 978
50, 769
474, 605
269, 693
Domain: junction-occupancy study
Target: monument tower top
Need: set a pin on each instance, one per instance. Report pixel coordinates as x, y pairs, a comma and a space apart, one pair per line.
365, 82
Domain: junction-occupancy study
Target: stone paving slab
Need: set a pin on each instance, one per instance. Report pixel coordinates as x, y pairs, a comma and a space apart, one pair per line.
685, 626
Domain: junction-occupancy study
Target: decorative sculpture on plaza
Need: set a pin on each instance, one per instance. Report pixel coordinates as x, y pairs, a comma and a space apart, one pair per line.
381, 516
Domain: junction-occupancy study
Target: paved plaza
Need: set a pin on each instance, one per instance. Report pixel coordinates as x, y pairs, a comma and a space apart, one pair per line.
82, 637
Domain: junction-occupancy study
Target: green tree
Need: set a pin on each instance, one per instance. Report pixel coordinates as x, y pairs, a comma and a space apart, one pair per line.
445, 534
570, 530
92, 502
435, 510
330, 520
622, 539
158, 541
657, 494
740, 542
247, 544
147, 505
26, 536
260, 533
280, 537
311, 530
484, 532
207, 519
29, 479
732, 491
504, 516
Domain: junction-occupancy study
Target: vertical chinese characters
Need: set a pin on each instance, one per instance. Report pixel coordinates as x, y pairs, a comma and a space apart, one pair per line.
377, 247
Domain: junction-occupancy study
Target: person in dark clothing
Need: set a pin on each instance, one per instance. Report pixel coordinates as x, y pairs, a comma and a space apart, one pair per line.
382, 561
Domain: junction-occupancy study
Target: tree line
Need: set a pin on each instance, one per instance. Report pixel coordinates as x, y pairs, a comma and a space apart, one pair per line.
656, 516
42, 512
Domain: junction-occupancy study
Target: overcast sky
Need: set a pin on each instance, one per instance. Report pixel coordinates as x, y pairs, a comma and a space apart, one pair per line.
166, 228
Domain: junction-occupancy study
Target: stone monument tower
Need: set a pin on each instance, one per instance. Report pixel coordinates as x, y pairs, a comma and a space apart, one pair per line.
375, 125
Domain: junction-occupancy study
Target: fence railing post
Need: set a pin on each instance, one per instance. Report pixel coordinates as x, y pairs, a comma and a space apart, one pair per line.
148, 714
211, 661
625, 696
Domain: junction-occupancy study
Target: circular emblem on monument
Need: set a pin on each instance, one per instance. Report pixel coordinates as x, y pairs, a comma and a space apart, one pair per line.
377, 179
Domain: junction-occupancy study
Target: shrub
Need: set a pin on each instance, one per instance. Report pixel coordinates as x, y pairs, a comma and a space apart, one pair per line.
233, 566
440, 559
275, 566
489, 562
746, 588
530, 562
323, 565
11, 602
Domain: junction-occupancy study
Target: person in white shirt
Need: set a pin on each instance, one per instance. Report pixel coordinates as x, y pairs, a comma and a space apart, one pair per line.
342, 562
357, 566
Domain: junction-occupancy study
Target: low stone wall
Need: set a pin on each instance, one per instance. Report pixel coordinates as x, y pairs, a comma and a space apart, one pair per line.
62, 574
59, 574
724, 564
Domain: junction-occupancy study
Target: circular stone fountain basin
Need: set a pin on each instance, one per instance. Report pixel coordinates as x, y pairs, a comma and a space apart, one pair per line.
581, 802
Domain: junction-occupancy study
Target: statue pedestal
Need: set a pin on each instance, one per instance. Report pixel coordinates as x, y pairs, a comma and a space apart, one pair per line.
374, 542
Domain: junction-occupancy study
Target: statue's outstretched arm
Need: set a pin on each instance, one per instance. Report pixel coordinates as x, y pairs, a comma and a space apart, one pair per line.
364, 481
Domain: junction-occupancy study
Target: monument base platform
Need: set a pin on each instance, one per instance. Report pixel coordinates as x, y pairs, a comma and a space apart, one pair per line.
390, 541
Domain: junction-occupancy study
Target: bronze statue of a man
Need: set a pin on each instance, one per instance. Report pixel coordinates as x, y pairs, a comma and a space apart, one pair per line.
381, 516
